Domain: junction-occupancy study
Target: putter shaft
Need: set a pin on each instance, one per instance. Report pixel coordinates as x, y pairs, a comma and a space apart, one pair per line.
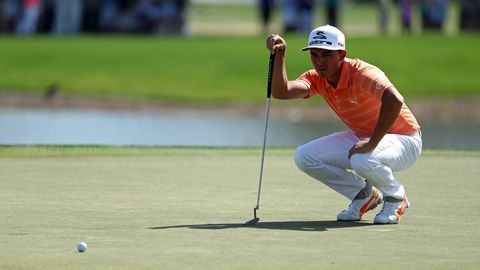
267, 112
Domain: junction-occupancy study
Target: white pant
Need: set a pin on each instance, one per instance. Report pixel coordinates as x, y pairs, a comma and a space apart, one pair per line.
326, 159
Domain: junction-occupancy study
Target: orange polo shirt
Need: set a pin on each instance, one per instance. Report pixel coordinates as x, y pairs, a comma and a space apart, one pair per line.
357, 98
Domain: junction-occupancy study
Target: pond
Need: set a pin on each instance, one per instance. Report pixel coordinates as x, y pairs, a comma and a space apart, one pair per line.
190, 128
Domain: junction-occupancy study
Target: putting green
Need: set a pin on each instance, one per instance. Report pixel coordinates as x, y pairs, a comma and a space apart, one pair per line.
183, 208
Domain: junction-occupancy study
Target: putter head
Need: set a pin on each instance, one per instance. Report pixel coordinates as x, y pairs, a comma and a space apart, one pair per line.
254, 220
251, 222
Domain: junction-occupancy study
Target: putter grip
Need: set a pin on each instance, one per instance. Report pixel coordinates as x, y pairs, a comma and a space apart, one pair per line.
271, 62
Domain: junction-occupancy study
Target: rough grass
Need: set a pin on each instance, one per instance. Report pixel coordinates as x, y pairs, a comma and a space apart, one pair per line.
183, 208
225, 60
222, 69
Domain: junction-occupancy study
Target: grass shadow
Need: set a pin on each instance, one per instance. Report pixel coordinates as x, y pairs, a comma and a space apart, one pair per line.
314, 226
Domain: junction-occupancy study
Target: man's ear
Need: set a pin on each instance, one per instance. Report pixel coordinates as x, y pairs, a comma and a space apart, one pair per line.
342, 54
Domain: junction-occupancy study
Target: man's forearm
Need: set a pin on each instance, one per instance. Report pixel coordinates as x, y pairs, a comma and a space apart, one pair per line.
279, 77
389, 111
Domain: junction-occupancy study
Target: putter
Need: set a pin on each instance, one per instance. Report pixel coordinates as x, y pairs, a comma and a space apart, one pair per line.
267, 111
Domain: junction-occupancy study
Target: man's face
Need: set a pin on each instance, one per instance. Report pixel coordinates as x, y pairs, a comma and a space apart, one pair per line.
326, 62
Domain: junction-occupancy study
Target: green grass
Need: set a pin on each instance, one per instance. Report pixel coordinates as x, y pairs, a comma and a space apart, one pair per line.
182, 208
222, 69
225, 60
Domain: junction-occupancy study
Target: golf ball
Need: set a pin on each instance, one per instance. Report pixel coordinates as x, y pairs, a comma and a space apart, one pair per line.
82, 247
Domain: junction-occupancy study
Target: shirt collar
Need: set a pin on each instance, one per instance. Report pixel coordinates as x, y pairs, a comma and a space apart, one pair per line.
344, 75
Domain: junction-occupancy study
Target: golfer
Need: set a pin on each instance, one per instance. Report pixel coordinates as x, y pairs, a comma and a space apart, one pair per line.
383, 134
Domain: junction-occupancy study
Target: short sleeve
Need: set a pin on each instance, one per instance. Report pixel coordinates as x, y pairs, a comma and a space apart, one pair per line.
373, 81
308, 78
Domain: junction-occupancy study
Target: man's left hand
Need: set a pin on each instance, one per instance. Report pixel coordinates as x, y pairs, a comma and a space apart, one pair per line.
361, 147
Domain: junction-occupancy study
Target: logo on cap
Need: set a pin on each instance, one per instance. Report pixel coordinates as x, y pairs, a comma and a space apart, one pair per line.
320, 35
316, 39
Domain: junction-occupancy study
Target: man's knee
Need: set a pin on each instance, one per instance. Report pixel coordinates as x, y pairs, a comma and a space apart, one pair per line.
303, 159
363, 163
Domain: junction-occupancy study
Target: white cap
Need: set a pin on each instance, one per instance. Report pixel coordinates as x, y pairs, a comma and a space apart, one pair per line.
326, 37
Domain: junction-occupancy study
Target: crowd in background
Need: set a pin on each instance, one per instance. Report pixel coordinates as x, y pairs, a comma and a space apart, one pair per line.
433, 13
27, 17
298, 15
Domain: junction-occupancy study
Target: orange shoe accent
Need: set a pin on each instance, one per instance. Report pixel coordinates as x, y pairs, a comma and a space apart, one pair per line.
399, 212
367, 205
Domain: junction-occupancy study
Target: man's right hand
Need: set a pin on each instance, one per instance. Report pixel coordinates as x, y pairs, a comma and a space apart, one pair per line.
275, 43
282, 88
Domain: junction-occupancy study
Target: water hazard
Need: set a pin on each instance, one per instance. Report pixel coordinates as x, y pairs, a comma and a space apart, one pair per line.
190, 128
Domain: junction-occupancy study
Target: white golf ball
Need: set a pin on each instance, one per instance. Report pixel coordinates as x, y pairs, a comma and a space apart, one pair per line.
82, 247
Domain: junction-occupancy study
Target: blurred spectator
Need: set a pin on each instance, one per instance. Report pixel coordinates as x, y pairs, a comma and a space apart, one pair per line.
266, 8
406, 14
433, 14
298, 15
160, 16
289, 16
332, 12
305, 15
180, 16
91, 15
470, 15
167, 10
68, 16
27, 25
384, 6
147, 14
47, 16
108, 15
9, 16
124, 20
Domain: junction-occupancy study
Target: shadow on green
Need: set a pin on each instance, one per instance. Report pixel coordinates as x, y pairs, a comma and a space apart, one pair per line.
274, 225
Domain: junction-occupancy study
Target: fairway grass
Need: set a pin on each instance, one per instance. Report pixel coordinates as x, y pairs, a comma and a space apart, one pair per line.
183, 208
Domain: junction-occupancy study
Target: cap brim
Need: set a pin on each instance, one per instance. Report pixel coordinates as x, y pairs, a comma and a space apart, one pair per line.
321, 47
